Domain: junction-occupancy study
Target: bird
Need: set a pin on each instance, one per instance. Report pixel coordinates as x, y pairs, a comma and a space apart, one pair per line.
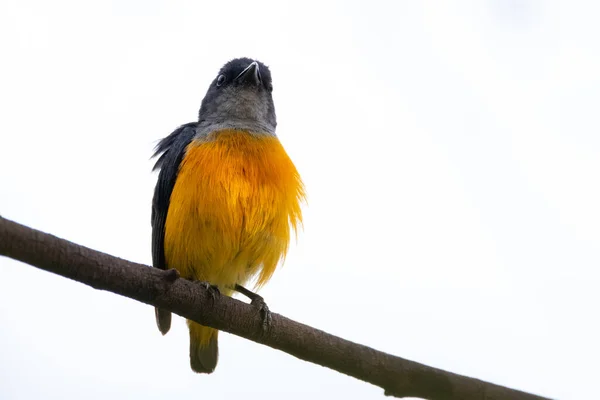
228, 198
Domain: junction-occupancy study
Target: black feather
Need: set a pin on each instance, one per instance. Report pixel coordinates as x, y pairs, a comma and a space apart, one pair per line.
173, 149
170, 151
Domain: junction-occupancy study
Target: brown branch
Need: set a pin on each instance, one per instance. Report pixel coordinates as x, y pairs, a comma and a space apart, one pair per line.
397, 376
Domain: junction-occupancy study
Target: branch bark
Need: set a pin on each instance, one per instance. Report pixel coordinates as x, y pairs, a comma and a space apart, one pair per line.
397, 376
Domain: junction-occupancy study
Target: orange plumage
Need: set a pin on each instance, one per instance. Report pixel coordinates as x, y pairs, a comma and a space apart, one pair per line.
236, 199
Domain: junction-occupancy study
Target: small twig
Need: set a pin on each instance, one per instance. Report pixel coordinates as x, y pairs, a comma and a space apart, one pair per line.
397, 376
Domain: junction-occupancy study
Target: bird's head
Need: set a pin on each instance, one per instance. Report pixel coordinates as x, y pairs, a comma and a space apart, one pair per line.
240, 94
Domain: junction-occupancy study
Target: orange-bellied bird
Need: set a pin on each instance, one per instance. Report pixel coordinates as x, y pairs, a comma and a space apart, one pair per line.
227, 196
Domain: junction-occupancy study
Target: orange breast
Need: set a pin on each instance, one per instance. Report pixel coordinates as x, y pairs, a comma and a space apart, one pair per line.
236, 199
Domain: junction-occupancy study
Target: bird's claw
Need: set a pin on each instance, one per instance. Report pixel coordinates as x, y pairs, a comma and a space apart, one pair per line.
258, 302
212, 290
264, 311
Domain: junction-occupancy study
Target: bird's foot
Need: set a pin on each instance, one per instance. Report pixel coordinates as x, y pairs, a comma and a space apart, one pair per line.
264, 311
212, 290
257, 301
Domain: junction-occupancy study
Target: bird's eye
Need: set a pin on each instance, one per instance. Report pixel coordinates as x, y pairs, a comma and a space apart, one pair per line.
220, 80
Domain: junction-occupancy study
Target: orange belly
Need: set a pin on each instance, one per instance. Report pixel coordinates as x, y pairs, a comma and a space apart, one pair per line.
236, 199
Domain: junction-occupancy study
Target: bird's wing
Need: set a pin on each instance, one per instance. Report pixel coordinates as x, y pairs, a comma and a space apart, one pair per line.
170, 152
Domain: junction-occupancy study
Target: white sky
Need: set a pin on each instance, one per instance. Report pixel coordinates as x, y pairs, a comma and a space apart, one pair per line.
450, 154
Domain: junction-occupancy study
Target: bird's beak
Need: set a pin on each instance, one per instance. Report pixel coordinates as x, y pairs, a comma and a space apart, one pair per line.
250, 75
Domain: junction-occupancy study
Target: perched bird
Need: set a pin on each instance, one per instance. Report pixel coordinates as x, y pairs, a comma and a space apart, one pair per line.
227, 195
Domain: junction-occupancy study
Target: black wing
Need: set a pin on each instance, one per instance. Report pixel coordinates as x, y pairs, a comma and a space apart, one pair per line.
171, 150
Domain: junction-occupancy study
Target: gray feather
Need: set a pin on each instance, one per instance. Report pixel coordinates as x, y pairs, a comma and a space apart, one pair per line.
203, 359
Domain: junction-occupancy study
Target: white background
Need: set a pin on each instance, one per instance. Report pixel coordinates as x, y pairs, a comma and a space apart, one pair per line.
450, 154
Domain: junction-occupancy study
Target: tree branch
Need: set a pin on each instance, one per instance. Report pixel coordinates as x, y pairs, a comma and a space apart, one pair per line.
397, 376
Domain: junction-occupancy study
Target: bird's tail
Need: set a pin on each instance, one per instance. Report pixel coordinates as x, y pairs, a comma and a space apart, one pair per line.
204, 348
163, 320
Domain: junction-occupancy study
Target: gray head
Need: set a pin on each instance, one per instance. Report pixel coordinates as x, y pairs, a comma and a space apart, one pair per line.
240, 98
